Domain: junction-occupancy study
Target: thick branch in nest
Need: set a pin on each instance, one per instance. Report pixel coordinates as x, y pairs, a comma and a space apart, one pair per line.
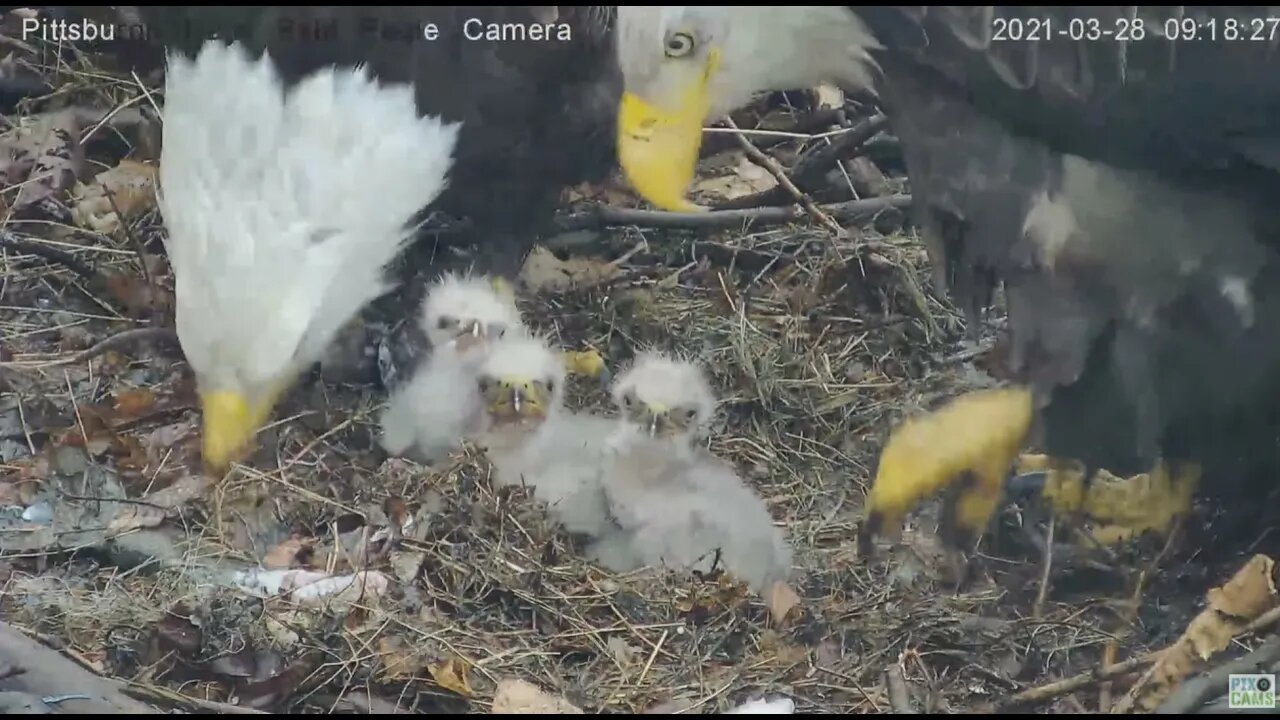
41, 250
811, 166
1249, 594
52, 682
605, 215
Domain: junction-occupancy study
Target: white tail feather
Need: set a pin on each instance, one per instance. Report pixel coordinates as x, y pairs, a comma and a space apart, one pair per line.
283, 208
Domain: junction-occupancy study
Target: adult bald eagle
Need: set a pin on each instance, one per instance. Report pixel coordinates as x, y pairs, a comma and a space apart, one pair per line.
282, 211
533, 86
1117, 169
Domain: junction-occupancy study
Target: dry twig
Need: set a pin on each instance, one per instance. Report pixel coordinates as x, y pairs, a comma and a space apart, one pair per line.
606, 215
899, 696
114, 342
776, 170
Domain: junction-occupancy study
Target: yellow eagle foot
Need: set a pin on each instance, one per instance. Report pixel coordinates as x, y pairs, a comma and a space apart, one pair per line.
1114, 509
965, 448
588, 363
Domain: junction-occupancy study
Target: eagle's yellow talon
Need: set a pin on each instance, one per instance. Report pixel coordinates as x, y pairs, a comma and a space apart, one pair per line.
1147, 503
968, 446
1064, 485
1114, 509
585, 362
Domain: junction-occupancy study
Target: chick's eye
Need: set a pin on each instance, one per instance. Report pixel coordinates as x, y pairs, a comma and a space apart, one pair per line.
690, 414
679, 45
445, 322
483, 384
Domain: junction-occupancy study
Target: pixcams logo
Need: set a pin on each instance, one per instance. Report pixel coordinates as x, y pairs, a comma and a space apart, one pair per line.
1251, 691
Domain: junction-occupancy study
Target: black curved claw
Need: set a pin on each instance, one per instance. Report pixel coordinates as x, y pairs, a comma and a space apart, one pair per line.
1025, 485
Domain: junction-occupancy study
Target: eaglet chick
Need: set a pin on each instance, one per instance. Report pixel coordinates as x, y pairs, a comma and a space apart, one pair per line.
676, 503
531, 439
430, 415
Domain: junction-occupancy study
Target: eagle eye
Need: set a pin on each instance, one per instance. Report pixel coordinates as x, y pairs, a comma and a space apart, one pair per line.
679, 44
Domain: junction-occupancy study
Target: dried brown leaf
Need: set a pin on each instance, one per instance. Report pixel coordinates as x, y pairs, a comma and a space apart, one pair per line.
517, 697
781, 600
407, 565
165, 437
622, 653
285, 555
1231, 607
42, 157
135, 517
11, 493
398, 659
129, 454
136, 294
176, 633
274, 681
280, 632
544, 272
134, 403
29, 491
740, 178
158, 505
830, 97
131, 184
452, 675
397, 512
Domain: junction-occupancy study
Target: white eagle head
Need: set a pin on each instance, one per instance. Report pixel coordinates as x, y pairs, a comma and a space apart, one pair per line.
685, 66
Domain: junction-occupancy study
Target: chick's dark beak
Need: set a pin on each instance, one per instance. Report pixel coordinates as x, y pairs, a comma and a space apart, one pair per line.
469, 335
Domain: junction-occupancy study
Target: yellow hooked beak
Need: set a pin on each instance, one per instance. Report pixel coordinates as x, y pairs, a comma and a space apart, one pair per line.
517, 399
230, 421
657, 418
658, 146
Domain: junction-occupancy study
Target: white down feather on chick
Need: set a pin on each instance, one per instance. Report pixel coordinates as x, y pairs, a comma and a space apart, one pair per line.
430, 415
531, 439
677, 504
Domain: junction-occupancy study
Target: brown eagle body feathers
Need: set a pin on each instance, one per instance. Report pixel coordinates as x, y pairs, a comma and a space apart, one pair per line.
536, 113
1124, 192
